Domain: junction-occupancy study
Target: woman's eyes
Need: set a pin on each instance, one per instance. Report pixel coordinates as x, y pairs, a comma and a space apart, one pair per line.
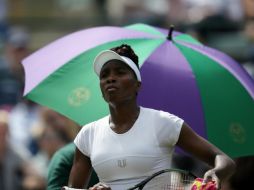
103, 75
116, 72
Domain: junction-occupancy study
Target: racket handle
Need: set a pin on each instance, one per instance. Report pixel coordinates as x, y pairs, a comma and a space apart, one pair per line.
69, 188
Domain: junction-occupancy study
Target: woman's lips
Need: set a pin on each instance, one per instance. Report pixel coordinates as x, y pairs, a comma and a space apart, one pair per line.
111, 88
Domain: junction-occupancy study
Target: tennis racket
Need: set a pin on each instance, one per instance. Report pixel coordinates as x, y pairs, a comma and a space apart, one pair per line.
168, 179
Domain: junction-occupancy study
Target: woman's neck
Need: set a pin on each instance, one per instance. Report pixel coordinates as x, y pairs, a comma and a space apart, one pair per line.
124, 114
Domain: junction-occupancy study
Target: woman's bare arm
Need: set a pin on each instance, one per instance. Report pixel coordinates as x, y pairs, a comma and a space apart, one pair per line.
223, 166
81, 170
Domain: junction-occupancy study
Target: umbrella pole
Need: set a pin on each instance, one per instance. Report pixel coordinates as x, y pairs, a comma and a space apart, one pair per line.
170, 32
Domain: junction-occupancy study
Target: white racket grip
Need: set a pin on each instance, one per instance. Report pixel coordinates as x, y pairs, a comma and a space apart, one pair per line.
69, 188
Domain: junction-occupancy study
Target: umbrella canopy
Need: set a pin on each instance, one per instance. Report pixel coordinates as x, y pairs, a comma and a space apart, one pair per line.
205, 87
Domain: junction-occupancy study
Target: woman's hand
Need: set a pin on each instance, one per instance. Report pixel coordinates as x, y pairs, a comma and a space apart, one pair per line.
211, 177
100, 186
223, 169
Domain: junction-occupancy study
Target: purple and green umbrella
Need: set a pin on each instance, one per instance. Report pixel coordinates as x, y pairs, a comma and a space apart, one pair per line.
205, 87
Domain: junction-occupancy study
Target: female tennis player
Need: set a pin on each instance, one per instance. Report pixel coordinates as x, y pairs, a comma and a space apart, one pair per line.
133, 142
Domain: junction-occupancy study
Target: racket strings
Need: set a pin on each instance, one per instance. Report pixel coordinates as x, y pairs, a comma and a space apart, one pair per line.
170, 181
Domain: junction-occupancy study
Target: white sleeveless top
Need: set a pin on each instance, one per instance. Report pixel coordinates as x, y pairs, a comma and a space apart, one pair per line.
123, 160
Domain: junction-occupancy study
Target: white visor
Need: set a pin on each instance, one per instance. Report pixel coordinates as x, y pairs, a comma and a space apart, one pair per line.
108, 55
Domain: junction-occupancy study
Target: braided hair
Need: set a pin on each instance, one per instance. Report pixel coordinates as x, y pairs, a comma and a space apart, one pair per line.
127, 51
